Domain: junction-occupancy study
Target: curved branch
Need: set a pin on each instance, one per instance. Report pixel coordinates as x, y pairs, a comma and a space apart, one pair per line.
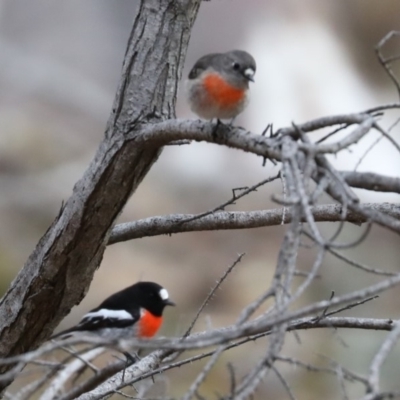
165, 132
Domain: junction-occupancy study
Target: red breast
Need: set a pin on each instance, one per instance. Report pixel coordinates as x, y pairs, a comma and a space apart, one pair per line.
220, 92
149, 324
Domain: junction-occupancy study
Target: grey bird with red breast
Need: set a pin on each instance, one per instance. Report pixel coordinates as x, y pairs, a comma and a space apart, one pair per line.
218, 84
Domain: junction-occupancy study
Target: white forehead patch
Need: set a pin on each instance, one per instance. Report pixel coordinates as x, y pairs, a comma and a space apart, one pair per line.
249, 72
164, 294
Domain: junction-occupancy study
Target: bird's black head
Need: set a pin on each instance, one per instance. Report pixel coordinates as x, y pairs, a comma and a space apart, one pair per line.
151, 296
148, 295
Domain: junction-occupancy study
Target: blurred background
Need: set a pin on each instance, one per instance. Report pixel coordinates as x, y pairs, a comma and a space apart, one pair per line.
59, 68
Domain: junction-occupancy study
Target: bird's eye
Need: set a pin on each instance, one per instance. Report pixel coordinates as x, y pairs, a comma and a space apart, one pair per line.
236, 66
195, 72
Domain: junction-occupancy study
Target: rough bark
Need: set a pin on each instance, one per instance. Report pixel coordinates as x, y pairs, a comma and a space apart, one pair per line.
59, 271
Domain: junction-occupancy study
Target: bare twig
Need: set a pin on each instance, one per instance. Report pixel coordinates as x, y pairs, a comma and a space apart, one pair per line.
380, 357
212, 292
59, 382
221, 207
386, 62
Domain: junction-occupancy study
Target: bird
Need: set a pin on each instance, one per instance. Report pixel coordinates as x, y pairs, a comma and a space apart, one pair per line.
135, 311
218, 84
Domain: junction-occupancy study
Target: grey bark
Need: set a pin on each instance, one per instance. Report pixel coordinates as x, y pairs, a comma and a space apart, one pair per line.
59, 271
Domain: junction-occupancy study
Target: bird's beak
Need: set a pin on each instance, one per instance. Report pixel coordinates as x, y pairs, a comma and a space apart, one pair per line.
169, 303
249, 74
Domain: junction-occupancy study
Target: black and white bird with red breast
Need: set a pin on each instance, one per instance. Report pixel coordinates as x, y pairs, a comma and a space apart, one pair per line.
132, 312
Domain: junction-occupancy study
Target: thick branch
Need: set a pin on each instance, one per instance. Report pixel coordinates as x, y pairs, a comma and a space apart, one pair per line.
372, 181
175, 223
59, 271
174, 130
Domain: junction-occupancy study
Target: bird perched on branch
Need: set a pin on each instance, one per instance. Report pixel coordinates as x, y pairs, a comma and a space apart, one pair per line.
132, 312
218, 84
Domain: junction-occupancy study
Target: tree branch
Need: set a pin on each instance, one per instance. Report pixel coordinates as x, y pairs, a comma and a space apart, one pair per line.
176, 223
371, 181
146, 367
58, 273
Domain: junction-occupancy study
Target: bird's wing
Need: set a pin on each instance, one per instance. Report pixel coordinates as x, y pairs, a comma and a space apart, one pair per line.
102, 318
